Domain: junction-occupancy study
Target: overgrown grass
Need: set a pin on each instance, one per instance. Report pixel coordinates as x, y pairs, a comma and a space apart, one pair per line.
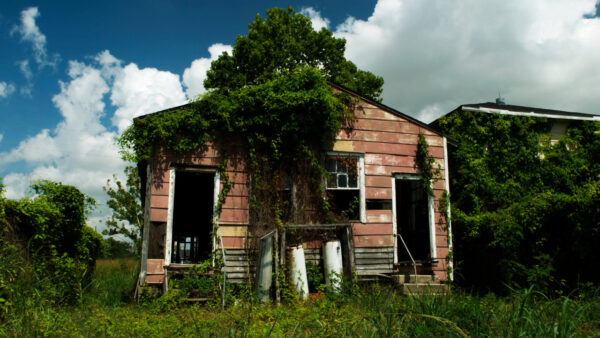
373, 310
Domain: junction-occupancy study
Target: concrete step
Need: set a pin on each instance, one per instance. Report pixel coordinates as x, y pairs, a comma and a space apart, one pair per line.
413, 289
420, 279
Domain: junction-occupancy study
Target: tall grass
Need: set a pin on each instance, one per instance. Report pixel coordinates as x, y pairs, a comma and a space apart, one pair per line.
373, 310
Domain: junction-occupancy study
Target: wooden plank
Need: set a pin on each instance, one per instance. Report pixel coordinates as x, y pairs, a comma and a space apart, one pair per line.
341, 145
232, 242
390, 160
373, 272
373, 241
379, 216
395, 148
379, 256
388, 170
370, 261
234, 216
160, 188
236, 202
378, 193
373, 229
378, 181
233, 231
374, 250
155, 266
377, 113
375, 266
159, 201
158, 215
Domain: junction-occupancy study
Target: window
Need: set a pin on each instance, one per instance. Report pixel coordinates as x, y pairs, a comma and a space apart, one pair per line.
344, 185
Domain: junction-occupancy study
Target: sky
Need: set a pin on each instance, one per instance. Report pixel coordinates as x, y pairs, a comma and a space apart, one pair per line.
74, 74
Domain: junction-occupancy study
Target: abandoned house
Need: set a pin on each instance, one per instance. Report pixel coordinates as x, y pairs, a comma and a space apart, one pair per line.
397, 229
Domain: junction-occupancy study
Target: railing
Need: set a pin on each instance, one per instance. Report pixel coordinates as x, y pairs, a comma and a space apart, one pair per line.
411, 257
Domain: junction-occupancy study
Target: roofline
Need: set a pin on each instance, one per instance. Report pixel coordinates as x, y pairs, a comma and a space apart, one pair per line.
162, 111
393, 111
552, 114
451, 140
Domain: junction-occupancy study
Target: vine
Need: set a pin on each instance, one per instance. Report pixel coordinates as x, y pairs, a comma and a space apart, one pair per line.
425, 163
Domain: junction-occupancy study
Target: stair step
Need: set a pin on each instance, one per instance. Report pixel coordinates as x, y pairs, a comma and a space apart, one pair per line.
421, 279
424, 289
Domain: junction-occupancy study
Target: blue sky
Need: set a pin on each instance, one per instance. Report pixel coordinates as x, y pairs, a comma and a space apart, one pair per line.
73, 74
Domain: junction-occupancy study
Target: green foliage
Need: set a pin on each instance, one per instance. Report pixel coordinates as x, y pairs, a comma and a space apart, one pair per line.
47, 236
278, 46
425, 163
524, 211
124, 200
269, 105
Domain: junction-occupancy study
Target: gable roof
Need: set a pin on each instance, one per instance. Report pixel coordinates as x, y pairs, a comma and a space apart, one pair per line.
381, 106
506, 109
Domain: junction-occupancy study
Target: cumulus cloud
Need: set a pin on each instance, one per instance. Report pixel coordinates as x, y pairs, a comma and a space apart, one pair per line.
436, 55
79, 151
318, 21
194, 76
6, 89
30, 32
141, 91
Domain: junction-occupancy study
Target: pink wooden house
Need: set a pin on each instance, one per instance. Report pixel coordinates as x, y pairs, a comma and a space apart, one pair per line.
394, 206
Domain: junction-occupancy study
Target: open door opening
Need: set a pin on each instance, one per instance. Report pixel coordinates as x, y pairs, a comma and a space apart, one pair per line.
412, 219
192, 217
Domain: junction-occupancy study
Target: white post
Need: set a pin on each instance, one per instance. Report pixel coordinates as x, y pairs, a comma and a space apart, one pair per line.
333, 266
297, 266
449, 219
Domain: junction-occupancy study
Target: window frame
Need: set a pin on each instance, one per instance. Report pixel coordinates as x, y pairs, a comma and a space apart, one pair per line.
360, 177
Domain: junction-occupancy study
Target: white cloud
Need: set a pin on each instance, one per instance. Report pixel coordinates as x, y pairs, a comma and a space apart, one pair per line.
318, 21
30, 32
16, 185
25, 69
194, 76
1, 137
6, 89
141, 91
436, 55
79, 151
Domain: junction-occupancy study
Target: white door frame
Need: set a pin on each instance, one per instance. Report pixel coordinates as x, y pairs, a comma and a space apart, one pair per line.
430, 203
171, 209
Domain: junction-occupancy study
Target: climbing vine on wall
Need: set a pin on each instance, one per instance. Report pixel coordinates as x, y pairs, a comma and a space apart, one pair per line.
270, 109
426, 165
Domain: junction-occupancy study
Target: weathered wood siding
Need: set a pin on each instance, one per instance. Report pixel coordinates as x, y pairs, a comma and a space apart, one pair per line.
389, 145
234, 216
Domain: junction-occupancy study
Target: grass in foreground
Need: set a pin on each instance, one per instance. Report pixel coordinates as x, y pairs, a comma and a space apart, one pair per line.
373, 310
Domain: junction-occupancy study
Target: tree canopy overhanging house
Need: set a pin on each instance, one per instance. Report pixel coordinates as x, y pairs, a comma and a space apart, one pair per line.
525, 195
290, 137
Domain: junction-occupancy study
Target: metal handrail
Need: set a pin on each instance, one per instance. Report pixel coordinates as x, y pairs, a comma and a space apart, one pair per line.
411, 258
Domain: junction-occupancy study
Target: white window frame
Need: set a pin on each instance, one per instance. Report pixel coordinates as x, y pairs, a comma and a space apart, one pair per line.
171, 210
360, 167
430, 203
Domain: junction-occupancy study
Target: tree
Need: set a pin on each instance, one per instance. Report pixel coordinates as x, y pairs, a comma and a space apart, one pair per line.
127, 217
282, 43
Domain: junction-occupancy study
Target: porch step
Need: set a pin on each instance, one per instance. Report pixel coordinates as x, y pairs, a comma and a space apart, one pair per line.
419, 279
413, 289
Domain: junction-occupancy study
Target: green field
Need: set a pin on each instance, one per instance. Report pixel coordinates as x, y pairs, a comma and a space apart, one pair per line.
107, 309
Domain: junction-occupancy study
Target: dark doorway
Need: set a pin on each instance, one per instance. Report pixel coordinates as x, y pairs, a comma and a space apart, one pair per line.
192, 218
412, 219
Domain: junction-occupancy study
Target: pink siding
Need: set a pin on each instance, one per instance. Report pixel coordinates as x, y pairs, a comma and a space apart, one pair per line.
389, 144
